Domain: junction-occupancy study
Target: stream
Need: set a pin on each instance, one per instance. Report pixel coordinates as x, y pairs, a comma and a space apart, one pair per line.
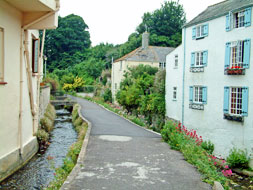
40, 170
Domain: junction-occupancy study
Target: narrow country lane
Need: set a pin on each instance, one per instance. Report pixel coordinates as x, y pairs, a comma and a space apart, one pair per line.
123, 156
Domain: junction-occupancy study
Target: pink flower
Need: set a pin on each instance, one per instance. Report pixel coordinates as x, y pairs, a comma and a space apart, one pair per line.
215, 163
226, 167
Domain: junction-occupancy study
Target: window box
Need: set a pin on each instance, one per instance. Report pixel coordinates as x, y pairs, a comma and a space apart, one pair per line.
234, 71
196, 106
197, 69
234, 118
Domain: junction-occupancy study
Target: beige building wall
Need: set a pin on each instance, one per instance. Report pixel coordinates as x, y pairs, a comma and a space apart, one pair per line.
120, 68
18, 142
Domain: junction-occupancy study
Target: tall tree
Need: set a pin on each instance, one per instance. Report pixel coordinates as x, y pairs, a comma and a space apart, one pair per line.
70, 37
164, 24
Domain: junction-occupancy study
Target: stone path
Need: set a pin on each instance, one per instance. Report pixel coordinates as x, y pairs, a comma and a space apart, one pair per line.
123, 156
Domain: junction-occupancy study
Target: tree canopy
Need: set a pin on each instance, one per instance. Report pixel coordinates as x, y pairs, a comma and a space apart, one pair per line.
70, 38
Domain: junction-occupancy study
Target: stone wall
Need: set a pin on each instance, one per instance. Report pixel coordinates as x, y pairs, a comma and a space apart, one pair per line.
44, 100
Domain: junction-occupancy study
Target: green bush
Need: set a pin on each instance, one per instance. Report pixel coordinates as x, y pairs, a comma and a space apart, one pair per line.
193, 153
208, 146
42, 136
238, 159
107, 95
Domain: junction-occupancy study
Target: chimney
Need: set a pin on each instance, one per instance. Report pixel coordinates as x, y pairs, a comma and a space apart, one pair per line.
145, 40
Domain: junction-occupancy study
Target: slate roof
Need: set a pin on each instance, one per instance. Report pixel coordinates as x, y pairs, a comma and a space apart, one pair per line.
218, 10
150, 54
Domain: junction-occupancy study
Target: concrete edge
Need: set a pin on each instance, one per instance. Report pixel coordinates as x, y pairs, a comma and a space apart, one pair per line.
126, 119
14, 161
67, 183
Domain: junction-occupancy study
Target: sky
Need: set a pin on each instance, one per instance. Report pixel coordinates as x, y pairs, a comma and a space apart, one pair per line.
112, 21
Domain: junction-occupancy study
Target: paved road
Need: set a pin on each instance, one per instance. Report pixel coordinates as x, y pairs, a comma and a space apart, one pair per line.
122, 156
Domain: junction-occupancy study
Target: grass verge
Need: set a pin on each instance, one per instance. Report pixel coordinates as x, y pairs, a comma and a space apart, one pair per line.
69, 162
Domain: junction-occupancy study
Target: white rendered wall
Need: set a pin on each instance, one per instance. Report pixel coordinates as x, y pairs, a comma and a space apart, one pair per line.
10, 20
174, 76
209, 122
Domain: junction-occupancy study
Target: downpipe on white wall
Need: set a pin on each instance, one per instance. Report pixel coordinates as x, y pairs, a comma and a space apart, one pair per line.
20, 120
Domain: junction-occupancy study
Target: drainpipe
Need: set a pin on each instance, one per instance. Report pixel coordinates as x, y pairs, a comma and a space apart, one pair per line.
29, 79
38, 84
183, 77
20, 119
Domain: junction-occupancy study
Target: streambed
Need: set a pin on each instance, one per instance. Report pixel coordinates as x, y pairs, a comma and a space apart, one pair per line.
40, 170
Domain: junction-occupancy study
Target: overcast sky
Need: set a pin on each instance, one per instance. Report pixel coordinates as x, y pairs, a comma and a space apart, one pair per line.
113, 21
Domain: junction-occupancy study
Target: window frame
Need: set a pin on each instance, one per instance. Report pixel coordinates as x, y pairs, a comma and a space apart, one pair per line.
237, 103
200, 31
238, 20
198, 98
162, 65
174, 93
176, 61
199, 59
236, 53
34, 41
2, 58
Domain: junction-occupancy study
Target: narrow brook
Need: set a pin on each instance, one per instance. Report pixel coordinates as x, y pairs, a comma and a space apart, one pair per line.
41, 168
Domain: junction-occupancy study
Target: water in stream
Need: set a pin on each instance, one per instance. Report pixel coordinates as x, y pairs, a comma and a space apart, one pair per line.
41, 168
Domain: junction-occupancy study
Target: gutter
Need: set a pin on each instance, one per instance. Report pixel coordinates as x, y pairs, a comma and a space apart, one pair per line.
183, 76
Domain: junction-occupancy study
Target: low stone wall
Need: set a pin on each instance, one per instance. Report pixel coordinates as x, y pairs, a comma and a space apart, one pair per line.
44, 100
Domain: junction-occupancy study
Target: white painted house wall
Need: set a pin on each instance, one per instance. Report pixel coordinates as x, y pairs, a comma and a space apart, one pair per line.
174, 79
209, 122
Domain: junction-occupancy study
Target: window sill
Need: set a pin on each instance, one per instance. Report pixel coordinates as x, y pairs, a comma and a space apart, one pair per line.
3, 83
236, 118
174, 100
196, 106
200, 38
35, 74
175, 68
197, 69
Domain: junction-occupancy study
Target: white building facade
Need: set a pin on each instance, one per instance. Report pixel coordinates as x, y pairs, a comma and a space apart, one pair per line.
20, 75
217, 87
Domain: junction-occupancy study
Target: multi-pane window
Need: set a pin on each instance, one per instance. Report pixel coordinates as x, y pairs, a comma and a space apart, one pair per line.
199, 59
35, 55
198, 94
1, 54
236, 101
238, 19
162, 65
237, 54
199, 31
176, 61
174, 93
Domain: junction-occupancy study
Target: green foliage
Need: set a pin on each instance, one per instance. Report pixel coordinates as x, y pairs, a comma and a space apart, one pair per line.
42, 136
142, 92
193, 153
107, 95
164, 24
238, 159
208, 146
63, 45
47, 122
77, 85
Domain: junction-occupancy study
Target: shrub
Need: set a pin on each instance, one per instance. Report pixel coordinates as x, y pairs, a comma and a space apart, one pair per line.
107, 95
238, 159
208, 146
42, 136
47, 124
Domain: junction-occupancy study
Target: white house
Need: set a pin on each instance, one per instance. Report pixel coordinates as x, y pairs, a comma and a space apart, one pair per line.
154, 56
20, 75
212, 86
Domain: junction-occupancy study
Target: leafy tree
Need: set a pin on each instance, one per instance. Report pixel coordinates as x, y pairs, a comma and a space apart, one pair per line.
67, 40
164, 24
